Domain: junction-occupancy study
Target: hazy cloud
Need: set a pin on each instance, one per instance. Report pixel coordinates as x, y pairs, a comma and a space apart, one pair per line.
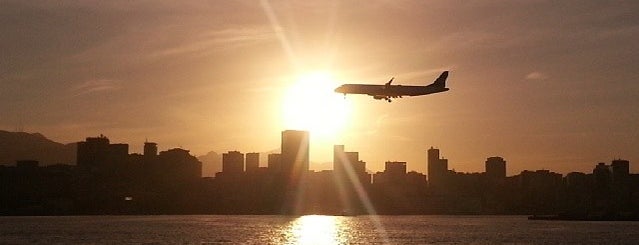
214, 40
94, 86
536, 76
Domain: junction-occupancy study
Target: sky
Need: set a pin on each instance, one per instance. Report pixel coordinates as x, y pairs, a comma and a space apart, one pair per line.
544, 84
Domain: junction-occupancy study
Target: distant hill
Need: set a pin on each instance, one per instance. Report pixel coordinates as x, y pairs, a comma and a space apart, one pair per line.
34, 146
211, 164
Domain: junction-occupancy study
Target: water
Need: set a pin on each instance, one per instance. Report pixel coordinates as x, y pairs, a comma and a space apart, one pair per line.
211, 229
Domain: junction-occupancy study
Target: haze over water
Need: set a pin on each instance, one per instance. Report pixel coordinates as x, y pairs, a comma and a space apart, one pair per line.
310, 229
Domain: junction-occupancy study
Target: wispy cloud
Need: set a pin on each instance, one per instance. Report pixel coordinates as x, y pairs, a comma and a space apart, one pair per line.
536, 76
95, 86
213, 40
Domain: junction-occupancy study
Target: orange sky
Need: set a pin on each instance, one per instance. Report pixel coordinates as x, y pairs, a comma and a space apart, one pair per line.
544, 84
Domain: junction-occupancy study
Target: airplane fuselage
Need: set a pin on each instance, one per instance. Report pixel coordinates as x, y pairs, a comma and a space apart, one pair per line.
390, 91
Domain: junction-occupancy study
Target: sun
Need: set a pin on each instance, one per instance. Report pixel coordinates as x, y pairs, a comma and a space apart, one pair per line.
311, 104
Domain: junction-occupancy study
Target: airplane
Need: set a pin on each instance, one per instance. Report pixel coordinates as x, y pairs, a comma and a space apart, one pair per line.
388, 91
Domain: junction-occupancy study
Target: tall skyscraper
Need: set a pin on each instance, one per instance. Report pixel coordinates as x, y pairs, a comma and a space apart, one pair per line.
94, 151
344, 161
96, 154
437, 168
274, 162
395, 168
150, 149
294, 159
338, 155
495, 168
620, 170
232, 162
252, 162
394, 173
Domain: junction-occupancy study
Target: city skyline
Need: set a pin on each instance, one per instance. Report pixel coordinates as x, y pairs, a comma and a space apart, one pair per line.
235, 162
263, 159
545, 85
109, 180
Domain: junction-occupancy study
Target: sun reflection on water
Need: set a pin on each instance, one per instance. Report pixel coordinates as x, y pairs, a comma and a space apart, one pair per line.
317, 229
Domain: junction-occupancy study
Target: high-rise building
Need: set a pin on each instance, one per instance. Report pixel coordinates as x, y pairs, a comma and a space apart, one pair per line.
178, 165
96, 154
274, 162
338, 155
394, 173
252, 162
395, 168
294, 170
437, 168
360, 167
601, 175
232, 162
495, 168
94, 151
620, 170
118, 153
294, 159
345, 162
150, 149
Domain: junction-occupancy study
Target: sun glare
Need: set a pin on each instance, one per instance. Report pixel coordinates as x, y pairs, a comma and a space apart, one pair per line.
311, 104
318, 229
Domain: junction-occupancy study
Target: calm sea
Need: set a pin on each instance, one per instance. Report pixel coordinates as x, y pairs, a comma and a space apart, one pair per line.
312, 229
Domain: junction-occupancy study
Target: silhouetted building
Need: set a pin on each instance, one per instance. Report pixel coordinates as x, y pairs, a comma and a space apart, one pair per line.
437, 169
294, 159
576, 180
602, 175
360, 171
346, 165
97, 155
274, 162
495, 168
338, 158
233, 162
620, 170
621, 191
150, 149
395, 168
394, 172
416, 179
92, 152
119, 153
540, 190
27, 164
252, 162
179, 165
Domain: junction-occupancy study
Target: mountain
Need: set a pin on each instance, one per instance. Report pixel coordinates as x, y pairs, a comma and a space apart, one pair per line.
16, 146
211, 164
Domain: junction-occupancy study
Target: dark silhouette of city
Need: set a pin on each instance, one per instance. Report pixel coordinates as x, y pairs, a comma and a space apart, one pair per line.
107, 179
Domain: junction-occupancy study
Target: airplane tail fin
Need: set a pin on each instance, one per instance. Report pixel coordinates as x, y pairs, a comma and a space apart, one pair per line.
441, 80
